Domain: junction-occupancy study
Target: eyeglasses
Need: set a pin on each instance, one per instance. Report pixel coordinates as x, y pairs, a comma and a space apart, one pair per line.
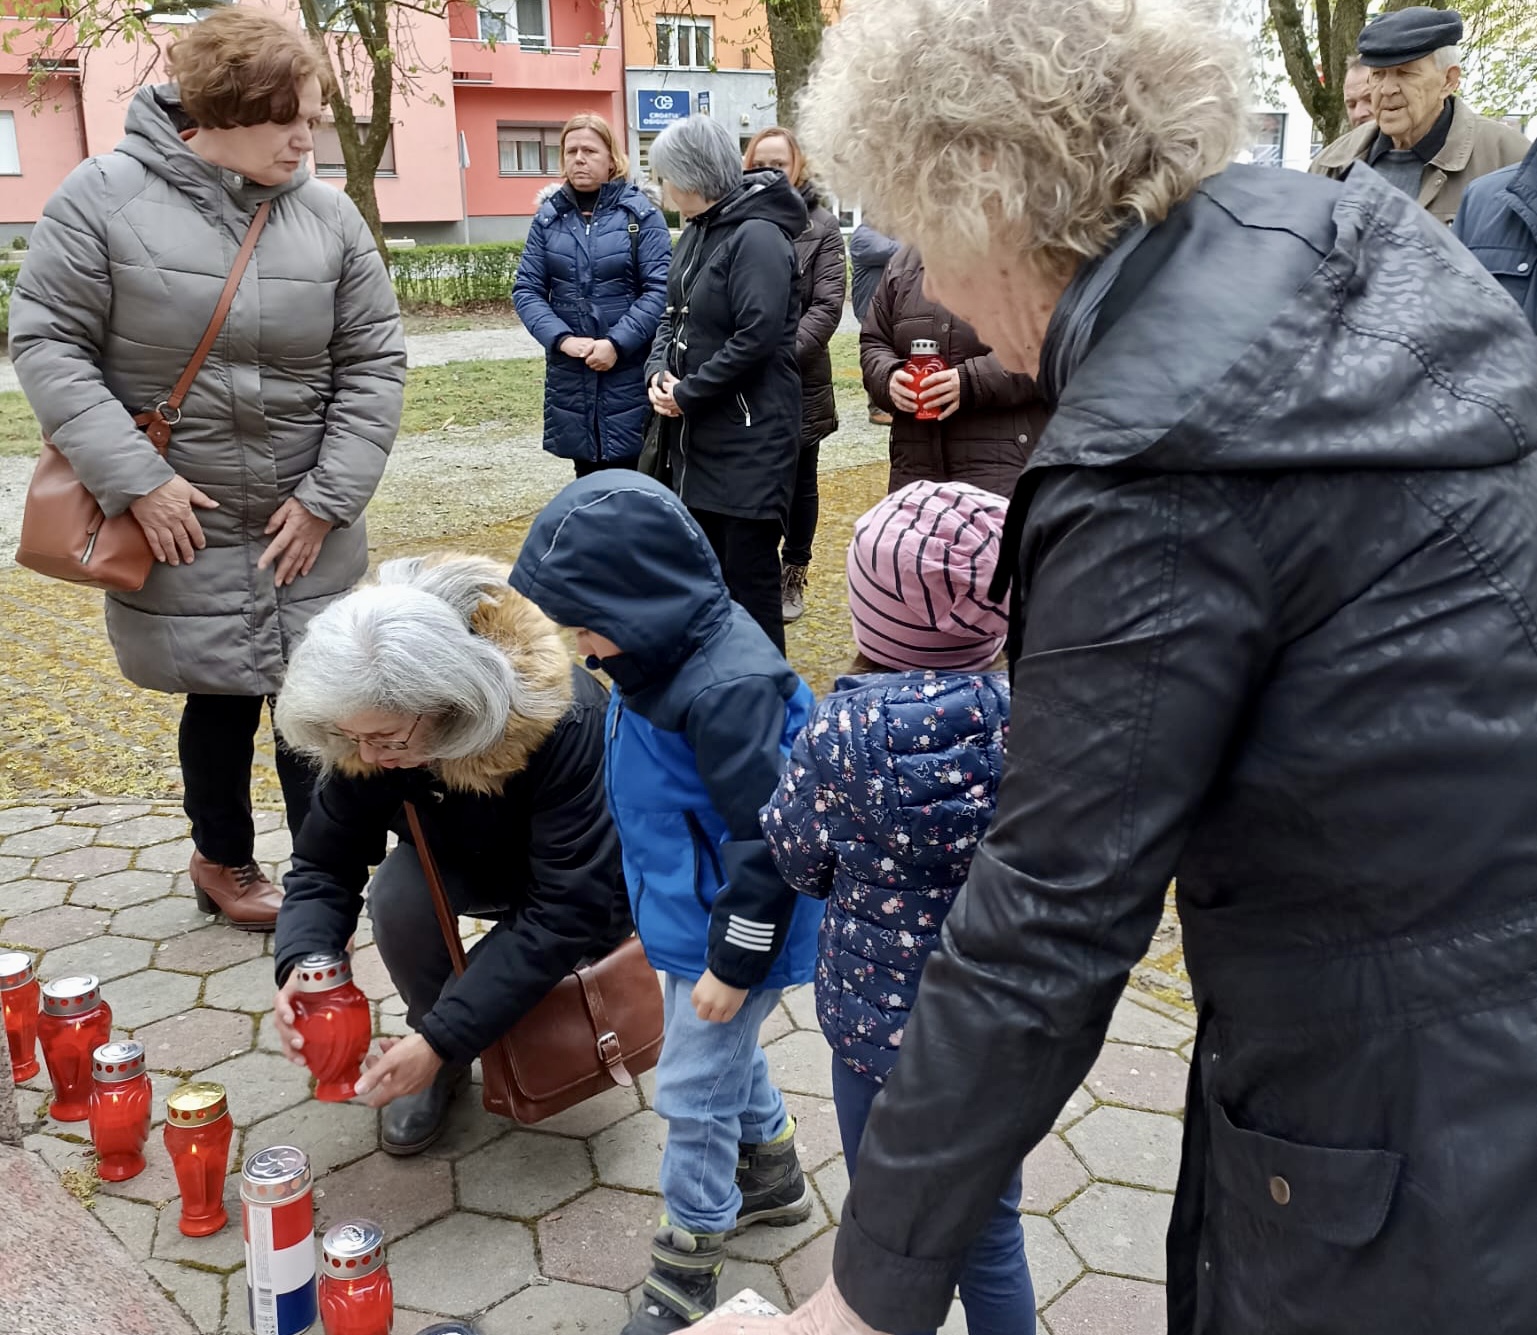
404, 744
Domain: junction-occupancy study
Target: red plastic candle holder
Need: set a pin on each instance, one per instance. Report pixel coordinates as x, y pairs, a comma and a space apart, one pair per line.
357, 1296
197, 1136
924, 360
120, 1107
19, 995
332, 1017
75, 1022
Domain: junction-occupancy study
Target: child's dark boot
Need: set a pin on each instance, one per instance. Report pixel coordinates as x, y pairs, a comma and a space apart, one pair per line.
681, 1288
772, 1184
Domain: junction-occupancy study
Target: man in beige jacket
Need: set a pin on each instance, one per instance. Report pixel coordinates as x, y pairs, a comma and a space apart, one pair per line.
1422, 138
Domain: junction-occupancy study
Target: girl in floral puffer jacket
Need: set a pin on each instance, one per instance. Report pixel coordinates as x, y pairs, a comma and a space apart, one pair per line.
887, 794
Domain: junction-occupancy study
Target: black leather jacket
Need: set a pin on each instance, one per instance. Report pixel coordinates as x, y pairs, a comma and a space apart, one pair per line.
1276, 636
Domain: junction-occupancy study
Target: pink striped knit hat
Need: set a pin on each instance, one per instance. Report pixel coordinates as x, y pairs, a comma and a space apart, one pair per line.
919, 567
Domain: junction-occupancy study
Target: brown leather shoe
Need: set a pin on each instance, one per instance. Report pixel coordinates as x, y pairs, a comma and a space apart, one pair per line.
246, 898
879, 417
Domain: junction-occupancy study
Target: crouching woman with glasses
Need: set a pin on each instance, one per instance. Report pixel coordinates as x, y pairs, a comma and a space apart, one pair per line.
440, 686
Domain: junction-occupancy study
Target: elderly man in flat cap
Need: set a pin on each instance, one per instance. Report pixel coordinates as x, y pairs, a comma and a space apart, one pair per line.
1423, 139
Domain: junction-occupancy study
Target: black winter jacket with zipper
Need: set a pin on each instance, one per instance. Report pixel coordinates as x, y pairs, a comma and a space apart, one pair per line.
1275, 635
728, 334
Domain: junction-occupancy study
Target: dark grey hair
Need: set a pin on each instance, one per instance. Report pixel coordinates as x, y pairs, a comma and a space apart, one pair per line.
700, 156
403, 645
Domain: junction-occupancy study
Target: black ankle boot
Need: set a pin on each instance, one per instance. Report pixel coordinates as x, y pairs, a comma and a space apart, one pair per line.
413, 1121
681, 1288
773, 1187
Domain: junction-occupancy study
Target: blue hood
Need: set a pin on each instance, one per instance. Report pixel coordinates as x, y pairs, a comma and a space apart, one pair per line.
620, 555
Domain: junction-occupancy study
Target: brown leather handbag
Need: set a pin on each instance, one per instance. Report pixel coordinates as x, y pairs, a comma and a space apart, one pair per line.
64, 533
600, 1026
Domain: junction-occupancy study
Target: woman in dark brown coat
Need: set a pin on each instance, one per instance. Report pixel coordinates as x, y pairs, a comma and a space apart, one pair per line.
821, 270
990, 419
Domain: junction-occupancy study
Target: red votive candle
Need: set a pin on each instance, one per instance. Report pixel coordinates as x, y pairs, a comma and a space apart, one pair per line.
19, 1001
75, 1022
356, 1294
120, 1106
923, 360
197, 1135
332, 1017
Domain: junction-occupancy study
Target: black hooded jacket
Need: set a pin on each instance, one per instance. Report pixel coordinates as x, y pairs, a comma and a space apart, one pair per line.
1275, 637
728, 334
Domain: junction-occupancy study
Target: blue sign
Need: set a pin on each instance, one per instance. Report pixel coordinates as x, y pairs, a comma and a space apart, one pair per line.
657, 110
704, 104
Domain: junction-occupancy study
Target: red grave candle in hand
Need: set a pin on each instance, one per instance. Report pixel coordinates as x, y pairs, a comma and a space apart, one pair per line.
332, 1017
356, 1294
75, 1022
923, 359
120, 1106
19, 1000
197, 1135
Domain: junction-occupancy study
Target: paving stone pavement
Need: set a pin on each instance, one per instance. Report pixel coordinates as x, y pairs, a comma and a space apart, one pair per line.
521, 1229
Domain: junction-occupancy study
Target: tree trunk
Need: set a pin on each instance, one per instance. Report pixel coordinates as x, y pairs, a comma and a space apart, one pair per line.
795, 35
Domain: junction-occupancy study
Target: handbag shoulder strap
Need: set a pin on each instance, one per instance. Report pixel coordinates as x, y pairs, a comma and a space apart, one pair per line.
221, 311
448, 922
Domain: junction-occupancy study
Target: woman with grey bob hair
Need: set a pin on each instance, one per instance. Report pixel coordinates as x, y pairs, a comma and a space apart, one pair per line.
723, 375
1325, 741
440, 686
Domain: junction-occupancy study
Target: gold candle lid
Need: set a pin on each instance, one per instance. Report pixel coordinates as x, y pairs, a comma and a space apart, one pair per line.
196, 1104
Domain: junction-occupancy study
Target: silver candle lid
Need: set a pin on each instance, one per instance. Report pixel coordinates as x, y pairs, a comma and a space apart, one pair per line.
15, 969
112, 1063
71, 996
274, 1175
352, 1249
320, 973
923, 347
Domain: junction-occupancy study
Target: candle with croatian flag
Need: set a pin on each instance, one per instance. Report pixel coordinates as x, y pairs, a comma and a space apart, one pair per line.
18, 1001
197, 1136
75, 1022
278, 1210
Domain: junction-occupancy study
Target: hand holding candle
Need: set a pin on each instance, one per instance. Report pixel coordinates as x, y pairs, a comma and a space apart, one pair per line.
331, 1021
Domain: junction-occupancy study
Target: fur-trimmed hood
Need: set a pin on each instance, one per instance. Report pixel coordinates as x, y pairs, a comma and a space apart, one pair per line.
531, 643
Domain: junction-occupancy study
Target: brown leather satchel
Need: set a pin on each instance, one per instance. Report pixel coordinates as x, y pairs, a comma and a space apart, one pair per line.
64, 534
600, 1026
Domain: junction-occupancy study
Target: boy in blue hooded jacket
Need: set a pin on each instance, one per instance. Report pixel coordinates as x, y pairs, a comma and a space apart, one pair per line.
701, 717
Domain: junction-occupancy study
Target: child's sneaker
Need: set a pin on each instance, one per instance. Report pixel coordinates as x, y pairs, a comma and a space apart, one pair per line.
773, 1187
680, 1289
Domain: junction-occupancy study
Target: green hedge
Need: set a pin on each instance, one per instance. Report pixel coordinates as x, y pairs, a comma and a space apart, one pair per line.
455, 275
8, 274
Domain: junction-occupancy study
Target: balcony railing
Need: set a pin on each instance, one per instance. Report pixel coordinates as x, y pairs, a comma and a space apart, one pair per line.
510, 64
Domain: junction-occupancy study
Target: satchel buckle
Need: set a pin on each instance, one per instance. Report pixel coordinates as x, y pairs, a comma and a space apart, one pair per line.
609, 1050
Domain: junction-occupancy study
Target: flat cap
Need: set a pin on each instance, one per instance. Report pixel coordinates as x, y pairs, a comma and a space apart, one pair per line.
1408, 34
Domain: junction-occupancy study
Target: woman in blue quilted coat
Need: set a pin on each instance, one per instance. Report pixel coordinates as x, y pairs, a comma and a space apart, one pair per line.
887, 793
591, 287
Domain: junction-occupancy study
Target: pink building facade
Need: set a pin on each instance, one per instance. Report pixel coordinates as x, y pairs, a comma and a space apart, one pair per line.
471, 145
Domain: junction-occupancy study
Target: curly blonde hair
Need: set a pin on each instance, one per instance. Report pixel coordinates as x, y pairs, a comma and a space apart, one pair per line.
1042, 126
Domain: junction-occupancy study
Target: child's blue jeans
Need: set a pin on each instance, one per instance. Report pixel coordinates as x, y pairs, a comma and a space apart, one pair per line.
713, 1087
995, 1285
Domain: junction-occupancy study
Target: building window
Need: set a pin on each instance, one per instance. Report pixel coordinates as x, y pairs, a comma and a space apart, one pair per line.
528, 150
1269, 138
685, 43
196, 14
522, 21
10, 155
328, 151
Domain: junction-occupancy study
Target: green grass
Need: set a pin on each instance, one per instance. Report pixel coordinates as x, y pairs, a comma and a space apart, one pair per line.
463, 394
18, 428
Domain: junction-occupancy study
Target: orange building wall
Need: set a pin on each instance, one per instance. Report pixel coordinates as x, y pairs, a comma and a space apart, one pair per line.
48, 141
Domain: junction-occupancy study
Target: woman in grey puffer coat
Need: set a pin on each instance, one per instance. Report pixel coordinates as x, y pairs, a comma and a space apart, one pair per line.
255, 512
